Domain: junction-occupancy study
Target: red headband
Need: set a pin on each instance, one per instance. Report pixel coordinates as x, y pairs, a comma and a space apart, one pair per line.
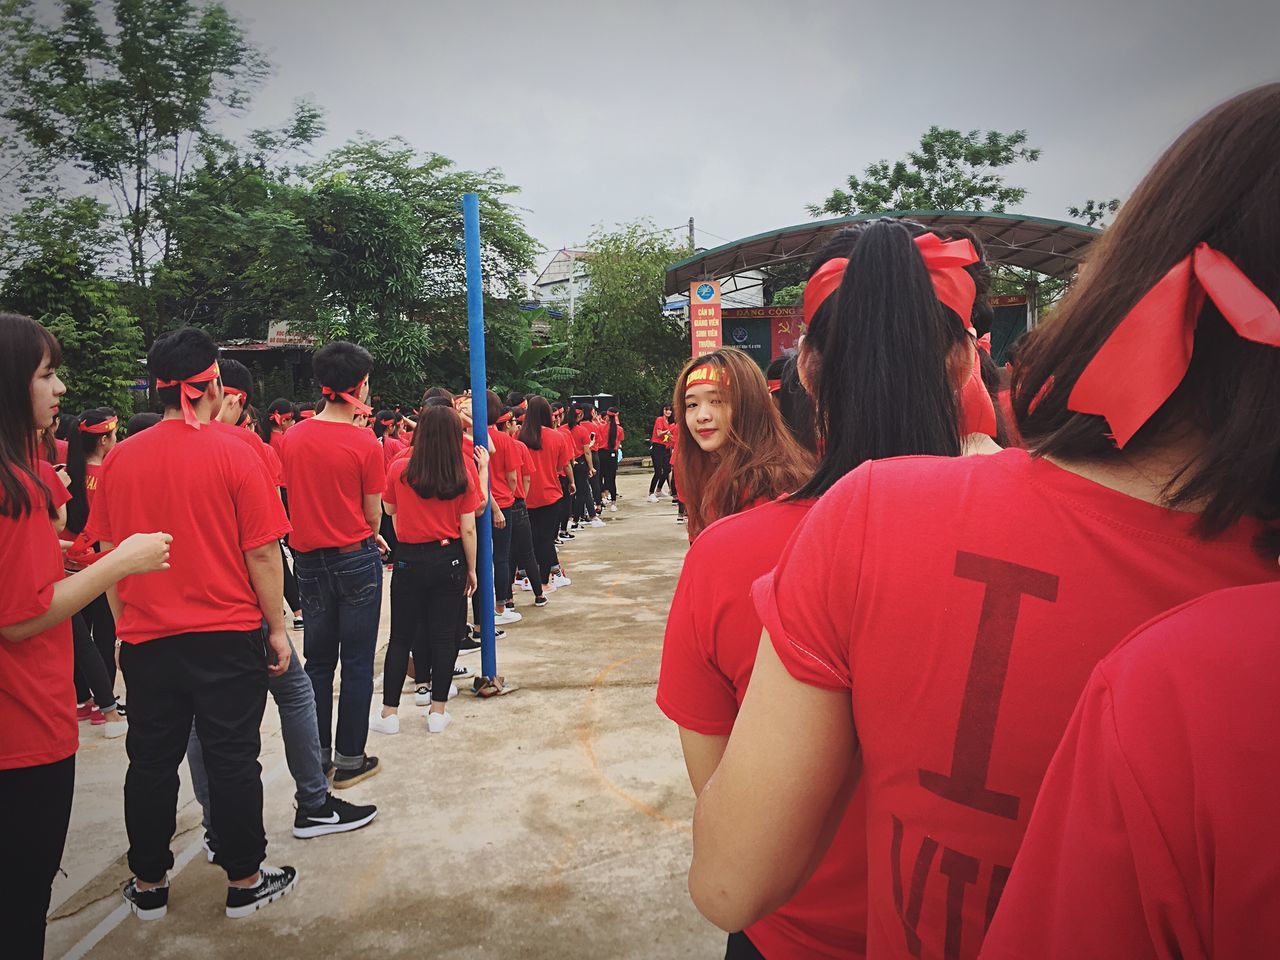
387, 423
944, 259
236, 393
105, 427
1147, 355
504, 418
775, 386
280, 418
706, 374
188, 391
349, 396
306, 414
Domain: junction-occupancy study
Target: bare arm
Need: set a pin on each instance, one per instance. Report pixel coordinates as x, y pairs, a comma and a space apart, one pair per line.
753, 849
140, 553
266, 574
469, 550
702, 755
373, 512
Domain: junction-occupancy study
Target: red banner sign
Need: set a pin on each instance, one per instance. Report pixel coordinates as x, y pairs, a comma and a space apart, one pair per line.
704, 316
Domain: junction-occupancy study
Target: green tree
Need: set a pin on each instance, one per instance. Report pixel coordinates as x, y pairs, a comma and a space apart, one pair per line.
950, 171
518, 364
126, 102
1095, 212
620, 338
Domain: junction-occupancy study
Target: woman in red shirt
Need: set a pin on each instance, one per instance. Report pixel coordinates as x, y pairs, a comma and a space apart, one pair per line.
552, 456
432, 496
661, 440
613, 435
94, 627
38, 730
736, 451
915, 647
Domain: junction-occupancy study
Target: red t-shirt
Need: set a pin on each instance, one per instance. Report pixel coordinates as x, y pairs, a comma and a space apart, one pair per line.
392, 447
266, 456
664, 432
504, 458
277, 442
602, 437
37, 693
583, 434
526, 469
92, 473
544, 485
427, 520
211, 493
965, 644
60, 447
329, 468
1155, 833
713, 633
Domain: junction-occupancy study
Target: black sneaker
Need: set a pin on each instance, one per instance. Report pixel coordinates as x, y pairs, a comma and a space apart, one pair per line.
273, 884
468, 645
567, 536
210, 844
349, 778
510, 604
297, 623
540, 601
336, 816
463, 673
146, 904
498, 634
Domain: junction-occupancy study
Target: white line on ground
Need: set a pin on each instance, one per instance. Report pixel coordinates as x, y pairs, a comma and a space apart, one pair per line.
117, 916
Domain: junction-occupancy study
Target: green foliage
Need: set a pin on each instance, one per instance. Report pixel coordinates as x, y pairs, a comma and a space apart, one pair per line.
516, 364
620, 338
950, 171
789, 296
1095, 212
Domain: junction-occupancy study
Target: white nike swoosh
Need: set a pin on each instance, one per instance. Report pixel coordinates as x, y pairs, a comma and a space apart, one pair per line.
332, 818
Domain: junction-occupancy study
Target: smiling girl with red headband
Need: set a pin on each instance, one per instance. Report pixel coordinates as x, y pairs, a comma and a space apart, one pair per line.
916, 648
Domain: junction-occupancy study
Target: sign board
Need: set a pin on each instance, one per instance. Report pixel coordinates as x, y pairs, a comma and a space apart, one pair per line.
141, 384
763, 332
704, 316
278, 335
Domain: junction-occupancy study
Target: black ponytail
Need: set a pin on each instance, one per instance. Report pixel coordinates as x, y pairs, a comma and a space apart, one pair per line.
79, 446
883, 341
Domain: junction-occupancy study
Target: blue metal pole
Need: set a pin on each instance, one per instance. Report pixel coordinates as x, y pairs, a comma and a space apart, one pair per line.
480, 427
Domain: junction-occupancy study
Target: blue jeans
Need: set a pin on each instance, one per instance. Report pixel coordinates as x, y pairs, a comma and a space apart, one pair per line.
296, 700
341, 604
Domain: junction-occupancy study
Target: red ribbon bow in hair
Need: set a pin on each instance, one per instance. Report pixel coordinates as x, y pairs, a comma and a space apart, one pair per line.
103, 428
1140, 365
944, 259
350, 396
188, 391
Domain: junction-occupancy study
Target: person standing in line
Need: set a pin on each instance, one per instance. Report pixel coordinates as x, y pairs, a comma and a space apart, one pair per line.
522, 554
504, 475
1148, 410
661, 442
272, 430
613, 437
580, 435
194, 648
432, 496
552, 460
38, 730
335, 475
386, 427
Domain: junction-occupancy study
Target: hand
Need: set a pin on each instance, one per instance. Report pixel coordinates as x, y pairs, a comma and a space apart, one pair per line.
232, 407
572, 489
384, 549
278, 644
482, 456
499, 518
61, 471
471, 583
144, 553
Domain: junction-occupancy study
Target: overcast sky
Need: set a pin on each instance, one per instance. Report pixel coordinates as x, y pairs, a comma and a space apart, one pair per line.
738, 114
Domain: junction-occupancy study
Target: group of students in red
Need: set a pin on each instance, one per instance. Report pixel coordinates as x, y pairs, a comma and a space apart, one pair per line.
949, 686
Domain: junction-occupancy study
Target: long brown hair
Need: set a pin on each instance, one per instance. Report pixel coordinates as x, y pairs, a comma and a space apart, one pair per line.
760, 459
1220, 184
23, 346
435, 467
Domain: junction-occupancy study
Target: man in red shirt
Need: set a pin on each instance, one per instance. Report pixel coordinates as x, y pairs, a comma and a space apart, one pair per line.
193, 642
335, 474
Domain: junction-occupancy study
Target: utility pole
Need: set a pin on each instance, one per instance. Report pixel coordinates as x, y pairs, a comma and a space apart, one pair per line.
692, 245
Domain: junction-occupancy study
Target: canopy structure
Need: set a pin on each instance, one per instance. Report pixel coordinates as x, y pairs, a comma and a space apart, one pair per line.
1052, 247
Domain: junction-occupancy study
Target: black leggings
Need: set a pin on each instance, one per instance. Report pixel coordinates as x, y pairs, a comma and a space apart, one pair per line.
740, 947
583, 506
35, 807
609, 472
543, 522
661, 467
291, 596
564, 507
426, 586
93, 630
522, 552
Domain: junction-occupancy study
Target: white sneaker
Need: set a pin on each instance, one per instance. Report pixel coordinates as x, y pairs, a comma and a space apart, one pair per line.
653, 498
597, 522
559, 580
422, 696
436, 722
525, 585
613, 508
388, 725
115, 728
508, 616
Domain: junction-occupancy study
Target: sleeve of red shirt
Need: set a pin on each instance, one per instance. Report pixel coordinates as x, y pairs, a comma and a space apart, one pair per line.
375, 469
807, 602
274, 467
57, 491
260, 515
475, 497
22, 596
97, 525
1094, 876
692, 691
389, 494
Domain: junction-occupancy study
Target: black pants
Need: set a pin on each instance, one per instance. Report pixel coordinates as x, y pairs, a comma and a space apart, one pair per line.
388, 531
609, 473
426, 585
583, 508
91, 673
502, 575
661, 467
543, 522
522, 552
740, 947
564, 506
35, 808
219, 680
597, 481
99, 628
291, 596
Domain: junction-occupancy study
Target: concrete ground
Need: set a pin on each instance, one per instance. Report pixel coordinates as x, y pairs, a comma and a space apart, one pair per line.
552, 822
